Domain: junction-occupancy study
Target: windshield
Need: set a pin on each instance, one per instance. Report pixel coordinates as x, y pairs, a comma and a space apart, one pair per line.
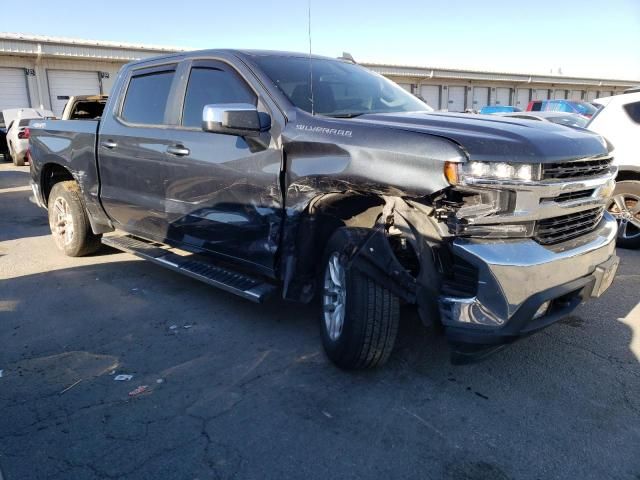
570, 120
340, 89
585, 108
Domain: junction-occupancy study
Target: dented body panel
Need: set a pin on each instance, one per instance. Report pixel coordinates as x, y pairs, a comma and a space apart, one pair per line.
268, 202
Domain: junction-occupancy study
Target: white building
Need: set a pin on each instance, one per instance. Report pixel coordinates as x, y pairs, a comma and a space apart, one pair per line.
40, 71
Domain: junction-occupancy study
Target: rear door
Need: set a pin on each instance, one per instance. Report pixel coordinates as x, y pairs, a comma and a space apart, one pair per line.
132, 152
222, 191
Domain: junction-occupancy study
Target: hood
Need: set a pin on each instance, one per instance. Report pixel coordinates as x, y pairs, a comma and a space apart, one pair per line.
489, 138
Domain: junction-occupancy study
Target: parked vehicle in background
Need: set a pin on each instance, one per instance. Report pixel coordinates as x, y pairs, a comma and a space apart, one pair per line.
491, 109
566, 119
569, 106
4, 149
18, 132
253, 173
84, 107
619, 122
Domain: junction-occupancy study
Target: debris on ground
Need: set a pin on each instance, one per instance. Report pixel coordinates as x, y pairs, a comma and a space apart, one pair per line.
70, 387
122, 378
141, 389
327, 414
187, 326
1, 372
160, 380
173, 327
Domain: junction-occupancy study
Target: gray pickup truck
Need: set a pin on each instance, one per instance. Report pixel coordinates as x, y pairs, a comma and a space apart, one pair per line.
317, 179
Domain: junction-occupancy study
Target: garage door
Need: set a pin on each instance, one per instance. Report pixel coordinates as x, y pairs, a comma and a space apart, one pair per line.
13, 88
575, 95
560, 94
406, 86
431, 95
456, 99
480, 97
503, 96
591, 95
522, 98
66, 83
604, 93
540, 94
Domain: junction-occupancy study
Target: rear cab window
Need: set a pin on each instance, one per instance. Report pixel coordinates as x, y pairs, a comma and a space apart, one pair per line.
212, 83
147, 95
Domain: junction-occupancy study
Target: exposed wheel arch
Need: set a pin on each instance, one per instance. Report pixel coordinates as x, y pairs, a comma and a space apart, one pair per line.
626, 174
52, 173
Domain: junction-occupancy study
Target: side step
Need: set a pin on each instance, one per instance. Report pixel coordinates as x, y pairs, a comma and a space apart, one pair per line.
194, 266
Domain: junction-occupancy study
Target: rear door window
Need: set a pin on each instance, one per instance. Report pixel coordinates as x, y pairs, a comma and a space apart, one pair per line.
147, 96
211, 85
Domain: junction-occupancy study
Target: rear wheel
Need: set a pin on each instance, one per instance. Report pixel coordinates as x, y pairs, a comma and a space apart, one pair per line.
14, 157
18, 161
68, 221
360, 318
625, 207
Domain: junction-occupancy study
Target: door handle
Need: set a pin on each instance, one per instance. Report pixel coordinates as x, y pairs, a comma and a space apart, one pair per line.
178, 150
110, 144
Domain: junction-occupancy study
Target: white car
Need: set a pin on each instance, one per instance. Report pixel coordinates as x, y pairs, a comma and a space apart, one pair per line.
618, 120
17, 121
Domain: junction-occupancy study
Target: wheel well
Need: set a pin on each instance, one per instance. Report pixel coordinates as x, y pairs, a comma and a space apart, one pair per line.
626, 175
53, 173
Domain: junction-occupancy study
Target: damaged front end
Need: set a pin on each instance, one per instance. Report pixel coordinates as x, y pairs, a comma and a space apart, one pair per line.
531, 242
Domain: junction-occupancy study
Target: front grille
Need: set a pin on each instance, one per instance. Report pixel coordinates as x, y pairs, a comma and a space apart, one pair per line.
576, 169
460, 279
565, 197
559, 229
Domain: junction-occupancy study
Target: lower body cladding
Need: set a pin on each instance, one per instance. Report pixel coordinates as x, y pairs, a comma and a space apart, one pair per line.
523, 286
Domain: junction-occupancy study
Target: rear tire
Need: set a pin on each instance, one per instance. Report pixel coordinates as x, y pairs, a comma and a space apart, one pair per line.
68, 221
370, 313
17, 161
625, 207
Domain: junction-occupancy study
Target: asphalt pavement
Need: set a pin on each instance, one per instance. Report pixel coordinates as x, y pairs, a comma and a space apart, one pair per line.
240, 391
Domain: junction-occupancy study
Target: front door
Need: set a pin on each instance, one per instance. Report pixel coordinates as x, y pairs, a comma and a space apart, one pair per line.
222, 192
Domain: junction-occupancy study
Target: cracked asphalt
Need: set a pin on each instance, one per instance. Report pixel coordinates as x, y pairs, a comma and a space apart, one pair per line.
239, 391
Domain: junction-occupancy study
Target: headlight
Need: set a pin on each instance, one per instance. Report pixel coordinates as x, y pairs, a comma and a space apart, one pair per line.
457, 173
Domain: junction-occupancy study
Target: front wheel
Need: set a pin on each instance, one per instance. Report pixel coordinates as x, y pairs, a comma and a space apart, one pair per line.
625, 207
68, 221
360, 318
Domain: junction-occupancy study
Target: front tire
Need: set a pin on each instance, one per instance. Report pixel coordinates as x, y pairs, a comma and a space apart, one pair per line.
359, 318
625, 207
68, 221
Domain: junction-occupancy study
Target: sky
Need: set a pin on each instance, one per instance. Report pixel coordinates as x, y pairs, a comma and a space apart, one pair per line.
576, 37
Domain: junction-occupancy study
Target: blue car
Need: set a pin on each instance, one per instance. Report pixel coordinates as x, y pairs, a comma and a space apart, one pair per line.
491, 109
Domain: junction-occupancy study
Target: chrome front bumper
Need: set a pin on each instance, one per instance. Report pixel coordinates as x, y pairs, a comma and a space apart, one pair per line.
518, 277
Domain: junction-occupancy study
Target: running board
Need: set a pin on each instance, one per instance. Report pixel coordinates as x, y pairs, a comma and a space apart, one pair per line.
194, 266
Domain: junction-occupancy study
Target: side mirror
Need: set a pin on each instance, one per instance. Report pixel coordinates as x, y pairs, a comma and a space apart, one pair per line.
234, 119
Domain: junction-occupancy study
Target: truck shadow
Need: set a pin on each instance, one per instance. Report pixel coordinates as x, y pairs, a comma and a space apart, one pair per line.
230, 361
19, 218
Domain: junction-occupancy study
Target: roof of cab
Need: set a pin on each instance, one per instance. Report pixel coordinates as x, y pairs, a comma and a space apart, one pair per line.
227, 52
